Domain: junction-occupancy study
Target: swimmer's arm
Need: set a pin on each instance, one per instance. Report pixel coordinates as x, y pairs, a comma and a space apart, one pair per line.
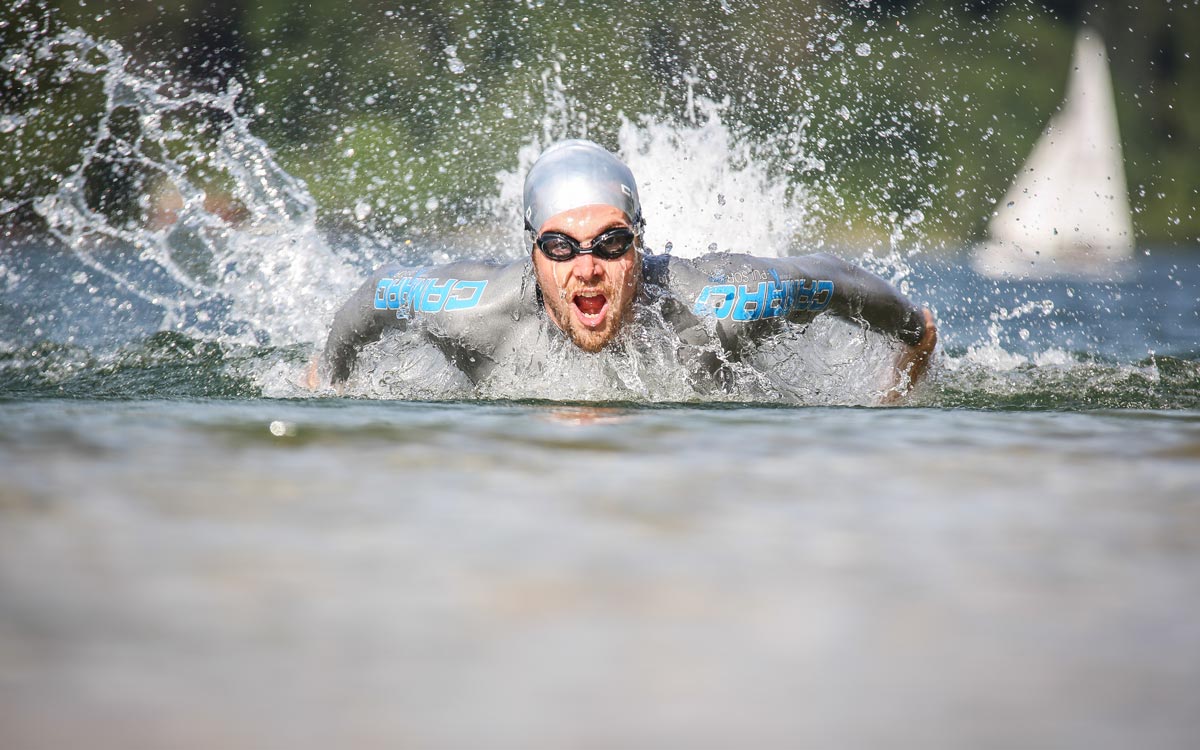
357, 323
861, 296
455, 310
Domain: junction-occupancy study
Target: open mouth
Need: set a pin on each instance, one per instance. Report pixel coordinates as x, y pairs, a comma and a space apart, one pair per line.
590, 308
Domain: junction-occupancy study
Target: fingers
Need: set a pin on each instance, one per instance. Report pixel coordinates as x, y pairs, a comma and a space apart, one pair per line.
929, 337
913, 362
313, 376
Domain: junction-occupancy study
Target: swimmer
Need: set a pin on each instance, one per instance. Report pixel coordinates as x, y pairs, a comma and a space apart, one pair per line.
587, 272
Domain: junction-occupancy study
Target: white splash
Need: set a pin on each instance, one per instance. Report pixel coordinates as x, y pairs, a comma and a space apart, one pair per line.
219, 225
703, 187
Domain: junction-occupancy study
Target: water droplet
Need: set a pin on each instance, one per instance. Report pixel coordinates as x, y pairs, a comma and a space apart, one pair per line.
282, 429
862, 50
456, 66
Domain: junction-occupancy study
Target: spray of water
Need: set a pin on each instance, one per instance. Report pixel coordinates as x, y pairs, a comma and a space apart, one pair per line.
704, 185
212, 232
224, 244
709, 189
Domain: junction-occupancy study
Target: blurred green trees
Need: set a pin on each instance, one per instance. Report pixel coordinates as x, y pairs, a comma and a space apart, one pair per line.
400, 114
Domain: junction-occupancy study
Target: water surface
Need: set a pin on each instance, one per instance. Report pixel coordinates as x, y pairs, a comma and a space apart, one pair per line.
263, 573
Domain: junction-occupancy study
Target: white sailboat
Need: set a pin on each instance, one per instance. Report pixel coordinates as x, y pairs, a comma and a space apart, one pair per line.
1067, 212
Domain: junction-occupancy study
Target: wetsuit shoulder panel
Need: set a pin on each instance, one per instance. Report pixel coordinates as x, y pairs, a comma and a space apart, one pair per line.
466, 302
744, 292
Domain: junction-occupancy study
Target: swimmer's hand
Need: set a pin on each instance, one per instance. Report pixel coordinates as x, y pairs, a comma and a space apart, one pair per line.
913, 362
315, 380
312, 378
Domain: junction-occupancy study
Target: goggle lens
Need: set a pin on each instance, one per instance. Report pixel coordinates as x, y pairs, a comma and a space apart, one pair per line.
608, 246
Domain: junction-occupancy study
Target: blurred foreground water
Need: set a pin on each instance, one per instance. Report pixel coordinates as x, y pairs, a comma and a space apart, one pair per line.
250, 573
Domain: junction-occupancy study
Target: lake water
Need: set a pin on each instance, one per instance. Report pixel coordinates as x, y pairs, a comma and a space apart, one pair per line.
195, 554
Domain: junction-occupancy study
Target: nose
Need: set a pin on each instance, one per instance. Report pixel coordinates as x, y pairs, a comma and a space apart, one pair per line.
587, 267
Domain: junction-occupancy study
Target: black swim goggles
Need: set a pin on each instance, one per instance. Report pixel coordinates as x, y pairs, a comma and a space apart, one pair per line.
608, 246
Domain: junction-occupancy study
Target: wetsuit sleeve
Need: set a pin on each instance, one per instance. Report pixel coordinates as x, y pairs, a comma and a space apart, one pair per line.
464, 306
861, 296
746, 292
356, 324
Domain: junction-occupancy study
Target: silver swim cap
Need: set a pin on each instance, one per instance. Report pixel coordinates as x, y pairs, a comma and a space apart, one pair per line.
577, 173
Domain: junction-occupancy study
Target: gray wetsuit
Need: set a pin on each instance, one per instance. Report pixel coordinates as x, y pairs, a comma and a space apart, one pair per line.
479, 313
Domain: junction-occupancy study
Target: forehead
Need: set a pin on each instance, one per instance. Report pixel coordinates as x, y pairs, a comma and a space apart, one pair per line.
585, 221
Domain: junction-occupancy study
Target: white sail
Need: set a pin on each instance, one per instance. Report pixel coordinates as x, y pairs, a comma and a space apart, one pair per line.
1067, 212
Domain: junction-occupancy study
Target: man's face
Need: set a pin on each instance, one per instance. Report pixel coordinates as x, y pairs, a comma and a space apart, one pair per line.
589, 298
